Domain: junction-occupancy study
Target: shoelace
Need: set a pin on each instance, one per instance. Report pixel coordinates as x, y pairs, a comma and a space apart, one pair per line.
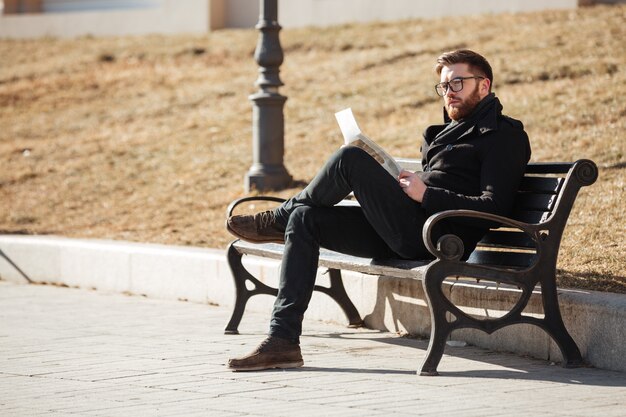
265, 219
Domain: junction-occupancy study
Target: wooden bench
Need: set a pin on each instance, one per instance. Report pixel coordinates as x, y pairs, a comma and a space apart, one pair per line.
522, 252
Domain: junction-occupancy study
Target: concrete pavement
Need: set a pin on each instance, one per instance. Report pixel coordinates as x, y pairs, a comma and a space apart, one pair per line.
596, 321
66, 352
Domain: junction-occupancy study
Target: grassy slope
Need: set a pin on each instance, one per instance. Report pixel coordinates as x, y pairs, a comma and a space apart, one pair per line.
148, 138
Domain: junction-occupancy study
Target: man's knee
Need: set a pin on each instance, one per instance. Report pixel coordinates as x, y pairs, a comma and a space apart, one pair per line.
312, 221
352, 154
302, 216
351, 160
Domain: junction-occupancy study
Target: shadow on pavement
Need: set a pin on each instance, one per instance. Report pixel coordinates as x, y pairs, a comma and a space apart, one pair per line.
578, 376
517, 367
354, 370
17, 268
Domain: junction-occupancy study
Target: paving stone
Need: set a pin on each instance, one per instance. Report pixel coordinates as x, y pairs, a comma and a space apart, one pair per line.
68, 352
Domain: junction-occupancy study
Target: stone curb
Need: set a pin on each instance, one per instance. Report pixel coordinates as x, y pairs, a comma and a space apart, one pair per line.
597, 321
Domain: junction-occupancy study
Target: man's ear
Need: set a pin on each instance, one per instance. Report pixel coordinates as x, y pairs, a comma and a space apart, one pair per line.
485, 85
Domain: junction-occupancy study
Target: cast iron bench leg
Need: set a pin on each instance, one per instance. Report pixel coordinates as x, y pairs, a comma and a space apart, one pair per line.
556, 328
337, 292
242, 293
440, 328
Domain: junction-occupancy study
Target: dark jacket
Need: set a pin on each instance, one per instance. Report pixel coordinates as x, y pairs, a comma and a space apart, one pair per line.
476, 164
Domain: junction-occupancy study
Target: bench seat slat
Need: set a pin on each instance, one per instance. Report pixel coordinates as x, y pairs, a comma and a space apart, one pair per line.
329, 259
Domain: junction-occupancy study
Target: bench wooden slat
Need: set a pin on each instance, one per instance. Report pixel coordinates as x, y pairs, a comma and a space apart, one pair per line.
507, 239
392, 267
548, 168
501, 259
535, 201
541, 184
530, 216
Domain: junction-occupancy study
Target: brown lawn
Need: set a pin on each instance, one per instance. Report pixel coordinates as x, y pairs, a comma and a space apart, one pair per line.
148, 138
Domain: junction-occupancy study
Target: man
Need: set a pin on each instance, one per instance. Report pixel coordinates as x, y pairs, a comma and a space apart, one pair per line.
475, 160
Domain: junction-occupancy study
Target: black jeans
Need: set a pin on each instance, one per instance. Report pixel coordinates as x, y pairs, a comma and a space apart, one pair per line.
388, 224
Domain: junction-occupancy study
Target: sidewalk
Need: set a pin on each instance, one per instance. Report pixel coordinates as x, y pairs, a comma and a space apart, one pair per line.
596, 321
67, 352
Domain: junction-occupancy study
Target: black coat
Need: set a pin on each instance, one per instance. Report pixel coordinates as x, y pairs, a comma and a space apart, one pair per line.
478, 166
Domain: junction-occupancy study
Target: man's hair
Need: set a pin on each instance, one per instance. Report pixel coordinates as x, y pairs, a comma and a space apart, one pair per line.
477, 63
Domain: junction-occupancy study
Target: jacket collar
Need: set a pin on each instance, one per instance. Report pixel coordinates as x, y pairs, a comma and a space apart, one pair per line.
484, 118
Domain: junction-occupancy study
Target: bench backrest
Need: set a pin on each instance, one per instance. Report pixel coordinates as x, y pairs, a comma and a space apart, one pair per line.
546, 196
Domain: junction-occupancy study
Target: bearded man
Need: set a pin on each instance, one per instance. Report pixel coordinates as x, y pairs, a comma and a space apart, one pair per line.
475, 161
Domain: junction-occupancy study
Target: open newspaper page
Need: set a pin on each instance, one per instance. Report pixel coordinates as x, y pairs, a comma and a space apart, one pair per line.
353, 136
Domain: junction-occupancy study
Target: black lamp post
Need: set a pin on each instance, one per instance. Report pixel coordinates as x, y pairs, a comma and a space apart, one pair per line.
268, 171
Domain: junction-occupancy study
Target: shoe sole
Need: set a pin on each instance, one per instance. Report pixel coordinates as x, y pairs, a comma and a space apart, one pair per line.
268, 240
283, 365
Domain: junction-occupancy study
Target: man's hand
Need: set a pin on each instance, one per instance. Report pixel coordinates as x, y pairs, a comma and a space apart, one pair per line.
412, 185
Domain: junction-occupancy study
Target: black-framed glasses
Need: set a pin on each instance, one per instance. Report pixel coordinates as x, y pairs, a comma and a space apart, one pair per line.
455, 84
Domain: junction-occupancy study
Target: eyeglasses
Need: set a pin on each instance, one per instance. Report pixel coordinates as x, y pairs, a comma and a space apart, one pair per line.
455, 85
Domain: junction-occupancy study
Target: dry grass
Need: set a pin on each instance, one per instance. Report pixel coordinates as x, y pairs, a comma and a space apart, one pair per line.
148, 138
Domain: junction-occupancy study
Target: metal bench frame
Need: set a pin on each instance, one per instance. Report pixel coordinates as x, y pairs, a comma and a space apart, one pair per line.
521, 251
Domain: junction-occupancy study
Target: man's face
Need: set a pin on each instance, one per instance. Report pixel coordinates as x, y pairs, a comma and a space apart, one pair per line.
460, 104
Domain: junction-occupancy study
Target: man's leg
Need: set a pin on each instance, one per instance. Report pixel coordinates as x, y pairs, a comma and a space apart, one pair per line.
393, 215
388, 224
396, 218
343, 229
338, 228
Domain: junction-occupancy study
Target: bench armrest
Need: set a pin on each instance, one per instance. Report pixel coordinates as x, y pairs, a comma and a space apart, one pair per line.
450, 247
235, 203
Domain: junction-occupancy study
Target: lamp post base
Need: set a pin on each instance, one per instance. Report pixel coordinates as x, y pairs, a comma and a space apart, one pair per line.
267, 178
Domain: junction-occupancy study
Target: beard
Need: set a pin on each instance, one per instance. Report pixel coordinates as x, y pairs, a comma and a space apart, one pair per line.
465, 107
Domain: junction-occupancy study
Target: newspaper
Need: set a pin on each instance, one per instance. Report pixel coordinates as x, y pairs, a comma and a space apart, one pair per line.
352, 135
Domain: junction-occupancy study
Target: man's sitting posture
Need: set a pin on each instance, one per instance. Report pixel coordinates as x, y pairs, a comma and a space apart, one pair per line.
475, 160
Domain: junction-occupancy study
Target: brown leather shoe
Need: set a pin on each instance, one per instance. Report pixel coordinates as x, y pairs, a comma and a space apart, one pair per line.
257, 228
273, 352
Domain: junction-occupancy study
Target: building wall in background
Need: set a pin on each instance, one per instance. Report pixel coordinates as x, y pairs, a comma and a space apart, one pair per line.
331, 12
68, 18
